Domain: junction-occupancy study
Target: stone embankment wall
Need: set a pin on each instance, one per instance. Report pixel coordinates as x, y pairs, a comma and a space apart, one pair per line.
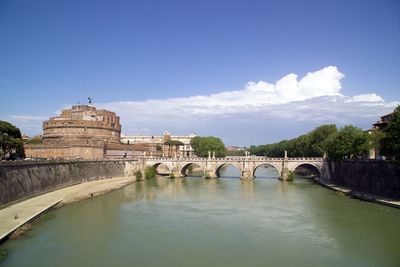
23, 179
380, 178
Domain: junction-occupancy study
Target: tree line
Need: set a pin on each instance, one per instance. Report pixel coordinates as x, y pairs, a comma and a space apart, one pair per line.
347, 142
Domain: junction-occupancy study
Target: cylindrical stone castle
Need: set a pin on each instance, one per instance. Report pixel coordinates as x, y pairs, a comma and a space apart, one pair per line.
82, 123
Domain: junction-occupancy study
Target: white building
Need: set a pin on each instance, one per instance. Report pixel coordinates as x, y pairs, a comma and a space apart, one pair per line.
184, 150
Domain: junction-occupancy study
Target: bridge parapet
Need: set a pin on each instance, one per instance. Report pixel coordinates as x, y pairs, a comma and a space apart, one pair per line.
235, 159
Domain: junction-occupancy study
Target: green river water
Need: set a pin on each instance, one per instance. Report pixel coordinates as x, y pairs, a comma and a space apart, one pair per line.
223, 222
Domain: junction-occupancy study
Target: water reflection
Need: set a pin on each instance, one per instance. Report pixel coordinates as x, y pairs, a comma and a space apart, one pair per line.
247, 190
222, 222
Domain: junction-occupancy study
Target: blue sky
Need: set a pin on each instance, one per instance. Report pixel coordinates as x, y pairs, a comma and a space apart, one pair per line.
250, 72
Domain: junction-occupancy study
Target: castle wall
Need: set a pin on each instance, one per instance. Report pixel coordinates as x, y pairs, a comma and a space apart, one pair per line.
67, 152
80, 129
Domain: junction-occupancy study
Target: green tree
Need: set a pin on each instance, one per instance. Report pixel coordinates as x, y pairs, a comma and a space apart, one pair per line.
318, 136
349, 142
10, 139
310, 144
201, 146
391, 140
376, 139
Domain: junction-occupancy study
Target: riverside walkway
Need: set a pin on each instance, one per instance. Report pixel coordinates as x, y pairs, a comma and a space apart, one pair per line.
14, 216
360, 195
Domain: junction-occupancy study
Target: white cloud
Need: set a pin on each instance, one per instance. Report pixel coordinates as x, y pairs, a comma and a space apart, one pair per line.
290, 106
255, 95
365, 98
315, 98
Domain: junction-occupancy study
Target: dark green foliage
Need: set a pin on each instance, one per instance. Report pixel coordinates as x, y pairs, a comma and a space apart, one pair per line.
9, 129
150, 172
236, 153
349, 142
391, 140
310, 144
10, 139
201, 146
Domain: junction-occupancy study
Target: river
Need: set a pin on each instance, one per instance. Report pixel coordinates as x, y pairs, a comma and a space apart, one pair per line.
224, 222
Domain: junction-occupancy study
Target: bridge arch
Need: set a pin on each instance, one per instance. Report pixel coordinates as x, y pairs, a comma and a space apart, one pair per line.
167, 170
278, 171
309, 167
186, 167
219, 166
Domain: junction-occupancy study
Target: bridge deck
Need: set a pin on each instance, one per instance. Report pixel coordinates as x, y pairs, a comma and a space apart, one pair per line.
235, 159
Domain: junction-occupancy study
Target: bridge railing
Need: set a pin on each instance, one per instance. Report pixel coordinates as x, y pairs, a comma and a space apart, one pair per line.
249, 158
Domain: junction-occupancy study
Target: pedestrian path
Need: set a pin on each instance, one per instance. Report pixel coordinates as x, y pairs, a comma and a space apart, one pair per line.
361, 195
14, 216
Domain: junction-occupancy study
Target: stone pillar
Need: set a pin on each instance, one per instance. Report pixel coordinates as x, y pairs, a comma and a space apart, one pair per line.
177, 174
246, 175
285, 169
210, 174
213, 155
284, 174
209, 154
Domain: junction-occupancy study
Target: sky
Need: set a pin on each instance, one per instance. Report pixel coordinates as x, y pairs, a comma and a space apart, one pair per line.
249, 72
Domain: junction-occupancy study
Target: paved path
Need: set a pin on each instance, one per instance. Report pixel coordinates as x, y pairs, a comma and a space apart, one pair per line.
361, 195
13, 217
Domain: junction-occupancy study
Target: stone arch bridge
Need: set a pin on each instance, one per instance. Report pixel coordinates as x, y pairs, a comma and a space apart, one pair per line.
246, 165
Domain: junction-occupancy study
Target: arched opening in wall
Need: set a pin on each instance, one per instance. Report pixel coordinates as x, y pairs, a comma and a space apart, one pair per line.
266, 170
192, 170
162, 169
307, 170
228, 170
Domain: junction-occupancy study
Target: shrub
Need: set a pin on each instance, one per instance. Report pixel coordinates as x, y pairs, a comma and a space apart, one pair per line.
138, 174
290, 176
150, 172
172, 175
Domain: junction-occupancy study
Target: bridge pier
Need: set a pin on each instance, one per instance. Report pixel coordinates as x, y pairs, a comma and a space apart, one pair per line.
210, 174
284, 174
177, 174
285, 169
246, 175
